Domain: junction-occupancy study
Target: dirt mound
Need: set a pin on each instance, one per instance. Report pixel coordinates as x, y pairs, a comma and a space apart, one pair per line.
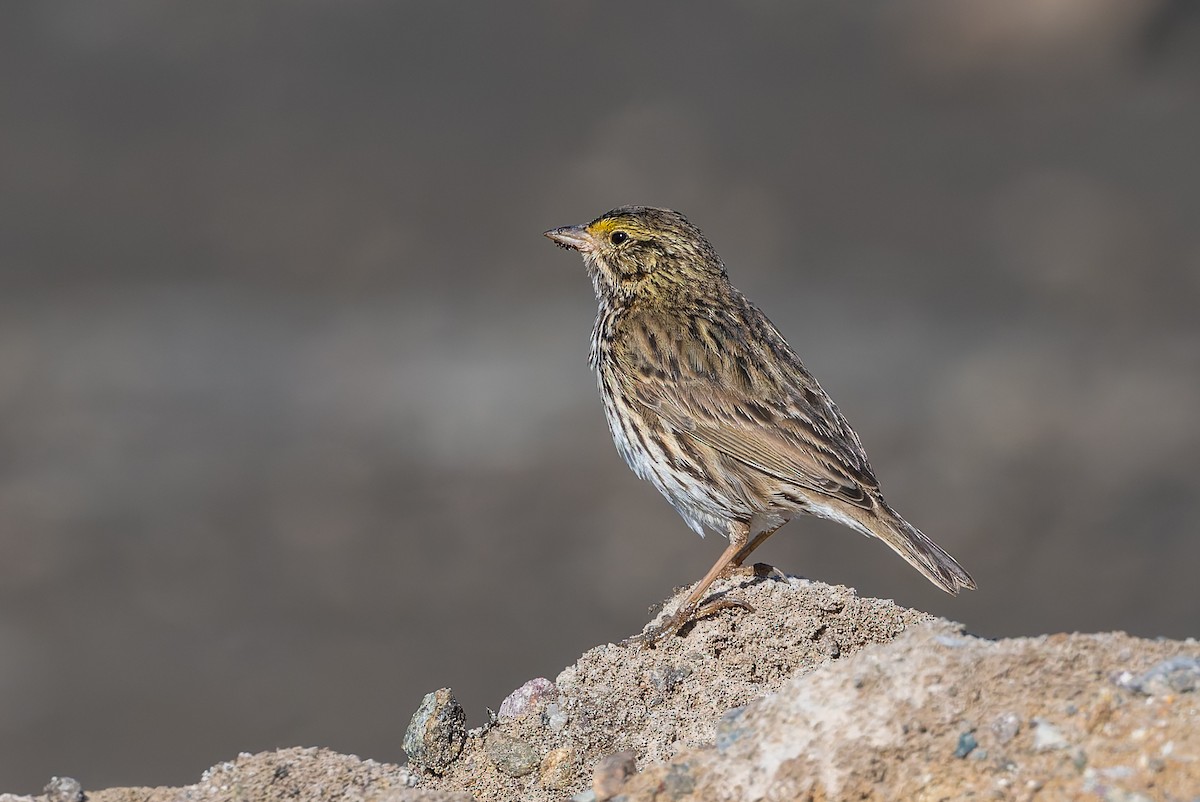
817, 694
657, 702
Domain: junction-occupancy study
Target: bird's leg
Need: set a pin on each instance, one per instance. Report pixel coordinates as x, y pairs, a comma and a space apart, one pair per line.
691, 608
740, 557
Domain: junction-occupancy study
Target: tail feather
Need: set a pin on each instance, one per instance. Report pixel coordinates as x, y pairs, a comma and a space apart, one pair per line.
918, 550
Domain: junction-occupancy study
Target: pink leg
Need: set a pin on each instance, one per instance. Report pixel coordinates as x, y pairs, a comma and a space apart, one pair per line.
738, 536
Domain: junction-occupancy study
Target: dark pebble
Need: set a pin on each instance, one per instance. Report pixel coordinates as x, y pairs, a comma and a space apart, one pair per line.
438, 730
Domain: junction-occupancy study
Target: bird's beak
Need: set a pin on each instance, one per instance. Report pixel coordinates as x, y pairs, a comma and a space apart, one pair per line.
576, 238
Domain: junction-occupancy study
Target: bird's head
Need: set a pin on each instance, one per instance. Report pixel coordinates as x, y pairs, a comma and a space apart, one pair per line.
642, 252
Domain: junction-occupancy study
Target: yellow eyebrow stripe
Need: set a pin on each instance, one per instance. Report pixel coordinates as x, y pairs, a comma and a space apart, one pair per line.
602, 228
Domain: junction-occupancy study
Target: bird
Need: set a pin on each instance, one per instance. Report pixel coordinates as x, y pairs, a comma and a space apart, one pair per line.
706, 400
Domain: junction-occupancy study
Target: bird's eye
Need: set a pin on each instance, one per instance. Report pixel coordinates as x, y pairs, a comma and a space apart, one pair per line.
618, 237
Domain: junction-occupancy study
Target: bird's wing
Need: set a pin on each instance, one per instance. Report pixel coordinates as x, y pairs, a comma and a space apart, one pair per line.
747, 396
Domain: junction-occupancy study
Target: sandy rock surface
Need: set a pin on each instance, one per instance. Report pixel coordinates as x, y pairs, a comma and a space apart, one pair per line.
286, 775
938, 715
816, 695
659, 701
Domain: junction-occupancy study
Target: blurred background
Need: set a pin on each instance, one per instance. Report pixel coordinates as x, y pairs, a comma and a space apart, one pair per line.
296, 423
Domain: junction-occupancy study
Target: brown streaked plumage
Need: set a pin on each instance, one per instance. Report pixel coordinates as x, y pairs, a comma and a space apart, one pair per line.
708, 402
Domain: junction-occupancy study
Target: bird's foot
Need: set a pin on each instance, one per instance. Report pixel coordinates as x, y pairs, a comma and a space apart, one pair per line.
650, 638
685, 615
756, 571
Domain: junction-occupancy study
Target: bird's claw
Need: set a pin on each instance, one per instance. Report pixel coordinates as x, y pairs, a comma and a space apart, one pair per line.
723, 603
650, 638
671, 625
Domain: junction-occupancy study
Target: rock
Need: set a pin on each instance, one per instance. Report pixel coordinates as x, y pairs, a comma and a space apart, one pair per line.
730, 728
1006, 726
611, 773
835, 732
765, 714
658, 701
1177, 675
526, 698
554, 717
289, 775
1047, 737
63, 789
678, 783
511, 755
966, 744
1120, 795
437, 732
558, 769
666, 679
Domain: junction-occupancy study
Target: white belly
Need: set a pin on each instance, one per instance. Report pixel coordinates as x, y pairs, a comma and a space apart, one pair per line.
702, 508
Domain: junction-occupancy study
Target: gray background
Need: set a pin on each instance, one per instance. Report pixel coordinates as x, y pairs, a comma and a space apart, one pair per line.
295, 418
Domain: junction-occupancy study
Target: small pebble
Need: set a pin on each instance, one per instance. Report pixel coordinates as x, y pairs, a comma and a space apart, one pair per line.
63, 789
559, 769
830, 647
730, 728
1121, 795
611, 772
1047, 737
584, 796
666, 679
435, 736
526, 698
1006, 726
511, 755
679, 781
966, 744
554, 717
952, 641
1177, 675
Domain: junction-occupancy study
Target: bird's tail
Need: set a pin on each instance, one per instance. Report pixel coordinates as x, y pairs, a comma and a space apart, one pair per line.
921, 553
